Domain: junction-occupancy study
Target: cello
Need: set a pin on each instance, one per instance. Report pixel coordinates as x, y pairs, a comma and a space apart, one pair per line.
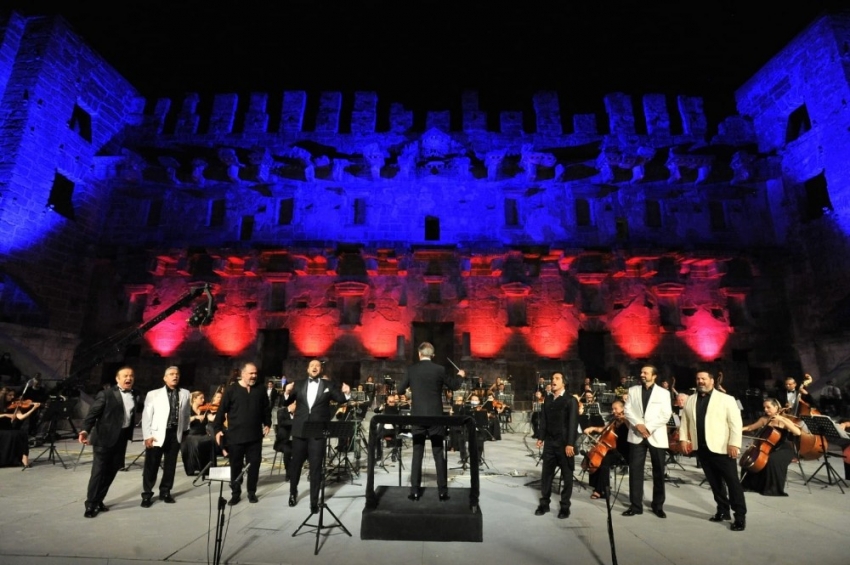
757, 454
607, 441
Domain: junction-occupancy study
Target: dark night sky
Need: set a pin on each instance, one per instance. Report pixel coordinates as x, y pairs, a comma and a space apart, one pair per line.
423, 53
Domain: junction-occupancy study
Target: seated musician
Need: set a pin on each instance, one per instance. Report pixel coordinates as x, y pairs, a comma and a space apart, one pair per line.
679, 402
283, 436
14, 443
389, 434
536, 407
403, 402
493, 409
197, 447
456, 437
500, 395
213, 409
482, 422
770, 481
599, 479
592, 418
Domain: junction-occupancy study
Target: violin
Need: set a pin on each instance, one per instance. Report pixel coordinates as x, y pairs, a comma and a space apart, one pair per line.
498, 405
20, 404
208, 408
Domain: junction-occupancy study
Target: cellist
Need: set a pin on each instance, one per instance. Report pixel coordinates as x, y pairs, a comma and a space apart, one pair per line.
599, 478
770, 481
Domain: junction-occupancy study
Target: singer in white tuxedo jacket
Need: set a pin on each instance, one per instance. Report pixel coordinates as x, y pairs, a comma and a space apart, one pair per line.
711, 424
648, 410
164, 420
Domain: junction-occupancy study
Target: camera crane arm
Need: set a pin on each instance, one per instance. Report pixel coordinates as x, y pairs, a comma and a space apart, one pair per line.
201, 315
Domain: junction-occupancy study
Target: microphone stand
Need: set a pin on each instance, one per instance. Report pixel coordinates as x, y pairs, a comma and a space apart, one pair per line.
222, 504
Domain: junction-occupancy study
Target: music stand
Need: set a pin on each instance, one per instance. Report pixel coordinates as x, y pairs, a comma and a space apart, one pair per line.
221, 475
670, 456
343, 430
53, 412
322, 430
826, 428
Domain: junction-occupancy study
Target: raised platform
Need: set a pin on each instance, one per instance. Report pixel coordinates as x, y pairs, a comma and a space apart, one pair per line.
397, 518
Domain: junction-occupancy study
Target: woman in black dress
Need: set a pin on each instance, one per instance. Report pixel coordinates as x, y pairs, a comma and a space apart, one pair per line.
14, 442
770, 481
197, 445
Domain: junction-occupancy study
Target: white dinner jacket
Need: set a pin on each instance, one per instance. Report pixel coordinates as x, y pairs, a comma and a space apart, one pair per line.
658, 412
155, 414
722, 422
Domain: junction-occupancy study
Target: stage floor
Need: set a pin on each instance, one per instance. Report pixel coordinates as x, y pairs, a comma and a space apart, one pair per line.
42, 519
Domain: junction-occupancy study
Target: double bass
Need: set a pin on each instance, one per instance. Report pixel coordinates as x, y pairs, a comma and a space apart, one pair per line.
809, 446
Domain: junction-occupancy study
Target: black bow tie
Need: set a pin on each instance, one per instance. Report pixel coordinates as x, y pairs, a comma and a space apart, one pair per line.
128, 391
313, 379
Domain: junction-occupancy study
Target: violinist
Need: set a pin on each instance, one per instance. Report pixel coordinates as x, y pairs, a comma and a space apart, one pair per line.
14, 444
390, 432
493, 408
599, 479
197, 448
770, 481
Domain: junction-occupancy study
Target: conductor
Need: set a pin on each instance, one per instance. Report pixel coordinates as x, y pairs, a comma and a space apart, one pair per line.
426, 380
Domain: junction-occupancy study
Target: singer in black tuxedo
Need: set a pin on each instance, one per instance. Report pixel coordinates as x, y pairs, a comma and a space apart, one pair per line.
426, 380
313, 396
110, 422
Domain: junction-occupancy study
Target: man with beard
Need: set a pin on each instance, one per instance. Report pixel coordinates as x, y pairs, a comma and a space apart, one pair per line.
711, 424
246, 407
648, 409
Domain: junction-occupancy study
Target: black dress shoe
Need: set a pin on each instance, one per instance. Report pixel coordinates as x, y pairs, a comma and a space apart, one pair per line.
563, 514
659, 512
252, 498
167, 498
444, 496
234, 500
632, 512
739, 525
293, 500
541, 510
314, 509
414, 496
720, 516
90, 512
146, 503
101, 507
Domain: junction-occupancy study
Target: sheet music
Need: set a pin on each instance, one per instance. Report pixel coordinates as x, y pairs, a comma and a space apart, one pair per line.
219, 474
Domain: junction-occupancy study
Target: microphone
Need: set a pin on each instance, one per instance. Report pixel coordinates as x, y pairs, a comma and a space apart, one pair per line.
202, 476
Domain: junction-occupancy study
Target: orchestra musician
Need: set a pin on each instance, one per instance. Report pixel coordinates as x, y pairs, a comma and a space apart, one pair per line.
536, 408
770, 481
790, 397
283, 438
599, 479
197, 448
14, 444
493, 409
389, 434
